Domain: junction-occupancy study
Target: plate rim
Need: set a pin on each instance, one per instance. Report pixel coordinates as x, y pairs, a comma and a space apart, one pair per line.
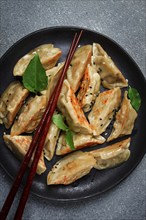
76, 28
69, 27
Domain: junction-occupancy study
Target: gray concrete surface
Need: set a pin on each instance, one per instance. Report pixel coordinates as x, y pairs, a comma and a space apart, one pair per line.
122, 20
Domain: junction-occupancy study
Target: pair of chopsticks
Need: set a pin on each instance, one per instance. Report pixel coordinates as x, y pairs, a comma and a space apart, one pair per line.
37, 143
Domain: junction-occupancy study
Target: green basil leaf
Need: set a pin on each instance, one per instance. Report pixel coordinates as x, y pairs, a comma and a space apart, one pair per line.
69, 139
34, 77
58, 120
134, 97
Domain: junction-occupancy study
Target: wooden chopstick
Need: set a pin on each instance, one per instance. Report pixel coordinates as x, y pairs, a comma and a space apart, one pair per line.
37, 143
38, 152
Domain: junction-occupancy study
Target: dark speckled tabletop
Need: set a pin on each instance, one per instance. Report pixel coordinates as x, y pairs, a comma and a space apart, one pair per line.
122, 20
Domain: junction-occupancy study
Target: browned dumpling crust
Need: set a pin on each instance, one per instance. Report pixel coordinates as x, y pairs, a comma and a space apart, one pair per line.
80, 141
19, 145
125, 119
81, 59
112, 155
111, 76
11, 101
48, 55
30, 115
89, 88
50, 142
73, 113
103, 110
71, 168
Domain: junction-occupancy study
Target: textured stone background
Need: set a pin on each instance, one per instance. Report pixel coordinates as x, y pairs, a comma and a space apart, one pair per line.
124, 21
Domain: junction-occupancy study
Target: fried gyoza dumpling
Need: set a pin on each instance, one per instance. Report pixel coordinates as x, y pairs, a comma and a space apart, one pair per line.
112, 155
11, 101
30, 115
48, 57
103, 110
73, 113
89, 88
71, 168
53, 77
111, 76
81, 59
19, 145
80, 141
125, 119
51, 140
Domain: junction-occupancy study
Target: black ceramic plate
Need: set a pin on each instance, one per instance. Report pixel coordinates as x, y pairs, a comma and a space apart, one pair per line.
97, 181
